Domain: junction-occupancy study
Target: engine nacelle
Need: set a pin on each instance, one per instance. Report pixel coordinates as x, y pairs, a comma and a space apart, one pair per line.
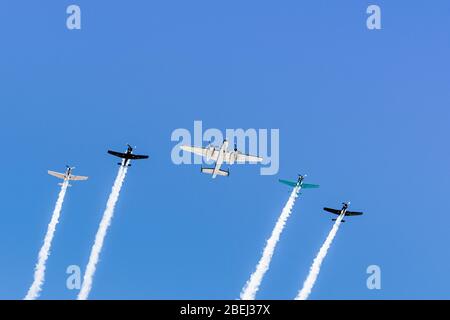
209, 153
233, 157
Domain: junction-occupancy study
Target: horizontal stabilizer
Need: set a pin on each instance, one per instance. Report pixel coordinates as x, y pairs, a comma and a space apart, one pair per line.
336, 219
69, 185
207, 170
120, 163
222, 173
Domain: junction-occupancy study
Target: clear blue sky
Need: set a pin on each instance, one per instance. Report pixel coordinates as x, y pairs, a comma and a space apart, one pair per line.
364, 113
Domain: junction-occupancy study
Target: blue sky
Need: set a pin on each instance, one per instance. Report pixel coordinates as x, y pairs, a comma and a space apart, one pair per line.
364, 113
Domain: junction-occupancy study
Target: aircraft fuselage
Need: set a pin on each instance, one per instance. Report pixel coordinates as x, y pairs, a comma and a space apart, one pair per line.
68, 173
220, 158
126, 161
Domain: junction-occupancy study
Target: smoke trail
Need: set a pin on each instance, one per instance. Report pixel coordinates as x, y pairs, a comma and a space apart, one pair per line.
101, 233
39, 271
252, 286
315, 268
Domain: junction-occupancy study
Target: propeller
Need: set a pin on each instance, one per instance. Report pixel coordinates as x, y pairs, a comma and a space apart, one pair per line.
130, 147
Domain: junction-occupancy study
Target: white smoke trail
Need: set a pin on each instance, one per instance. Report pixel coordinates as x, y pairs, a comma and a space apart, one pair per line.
315, 268
101, 233
252, 286
44, 253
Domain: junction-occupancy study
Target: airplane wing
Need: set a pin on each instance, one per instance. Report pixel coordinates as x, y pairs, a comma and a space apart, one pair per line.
117, 154
309, 186
78, 178
332, 210
136, 156
353, 213
200, 151
57, 174
245, 158
289, 183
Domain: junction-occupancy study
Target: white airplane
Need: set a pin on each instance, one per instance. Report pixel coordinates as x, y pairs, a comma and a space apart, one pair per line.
220, 155
67, 176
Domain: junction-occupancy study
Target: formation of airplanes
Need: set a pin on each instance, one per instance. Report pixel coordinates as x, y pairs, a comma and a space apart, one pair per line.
219, 155
299, 184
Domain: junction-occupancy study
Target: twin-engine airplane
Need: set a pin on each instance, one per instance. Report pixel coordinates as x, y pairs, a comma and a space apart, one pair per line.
67, 176
220, 155
343, 211
299, 183
127, 156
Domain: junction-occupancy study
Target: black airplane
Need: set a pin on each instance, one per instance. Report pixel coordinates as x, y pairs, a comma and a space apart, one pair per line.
127, 157
343, 211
